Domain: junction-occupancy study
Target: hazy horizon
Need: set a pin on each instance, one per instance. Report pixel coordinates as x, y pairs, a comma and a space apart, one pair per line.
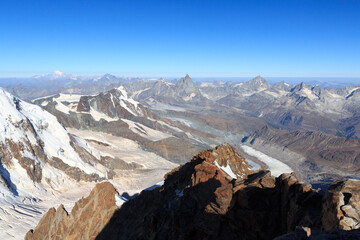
334, 82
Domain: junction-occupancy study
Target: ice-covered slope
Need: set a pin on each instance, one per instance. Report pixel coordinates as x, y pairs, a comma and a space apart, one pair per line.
34, 142
38, 159
110, 106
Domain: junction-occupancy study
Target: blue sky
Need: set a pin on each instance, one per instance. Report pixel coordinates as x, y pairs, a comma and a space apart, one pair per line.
317, 38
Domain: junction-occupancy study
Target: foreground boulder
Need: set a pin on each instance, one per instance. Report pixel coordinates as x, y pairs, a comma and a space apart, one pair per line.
214, 196
342, 206
87, 218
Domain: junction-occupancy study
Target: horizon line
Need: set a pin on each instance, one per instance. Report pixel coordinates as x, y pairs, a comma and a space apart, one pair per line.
178, 75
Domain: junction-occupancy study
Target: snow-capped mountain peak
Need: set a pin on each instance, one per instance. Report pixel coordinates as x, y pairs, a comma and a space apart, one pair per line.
56, 75
36, 150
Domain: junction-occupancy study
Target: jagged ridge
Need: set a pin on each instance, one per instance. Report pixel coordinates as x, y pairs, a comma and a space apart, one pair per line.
200, 200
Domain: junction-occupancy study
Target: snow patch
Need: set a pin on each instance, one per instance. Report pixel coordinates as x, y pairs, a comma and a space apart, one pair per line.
61, 107
120, 200
99, 115
191, 96
146, 132
227, 169
164, 107
125, 96
137, 93
69, 97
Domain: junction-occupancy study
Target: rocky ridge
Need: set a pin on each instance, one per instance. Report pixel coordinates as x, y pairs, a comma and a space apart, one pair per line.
200, 200
87, 218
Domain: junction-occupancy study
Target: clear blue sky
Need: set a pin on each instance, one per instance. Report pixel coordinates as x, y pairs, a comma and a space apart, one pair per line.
171, 38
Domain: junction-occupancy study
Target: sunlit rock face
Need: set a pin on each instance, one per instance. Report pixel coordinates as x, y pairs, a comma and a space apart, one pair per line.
88, 217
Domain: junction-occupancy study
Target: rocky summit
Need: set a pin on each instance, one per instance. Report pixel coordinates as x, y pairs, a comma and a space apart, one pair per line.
214, 196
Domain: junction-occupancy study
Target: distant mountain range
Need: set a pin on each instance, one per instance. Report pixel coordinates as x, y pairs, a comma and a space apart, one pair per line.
167, 118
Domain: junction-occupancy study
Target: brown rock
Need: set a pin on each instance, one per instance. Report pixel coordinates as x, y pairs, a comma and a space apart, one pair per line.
225, 155
200, 201
88, 217
342, 206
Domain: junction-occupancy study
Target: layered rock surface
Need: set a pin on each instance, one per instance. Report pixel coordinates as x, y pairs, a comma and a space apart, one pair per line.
88, 217
342, 206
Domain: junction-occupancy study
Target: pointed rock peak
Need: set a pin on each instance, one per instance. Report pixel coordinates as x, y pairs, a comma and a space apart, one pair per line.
222, 162
258, 81
185, 87
259, 78
187, 79
300, 86
227, 159
108, 75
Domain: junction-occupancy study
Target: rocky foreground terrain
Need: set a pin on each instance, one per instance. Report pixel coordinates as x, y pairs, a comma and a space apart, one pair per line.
214, 196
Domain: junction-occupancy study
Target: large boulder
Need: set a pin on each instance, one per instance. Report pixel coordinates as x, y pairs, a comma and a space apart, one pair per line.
342, 206
86, 220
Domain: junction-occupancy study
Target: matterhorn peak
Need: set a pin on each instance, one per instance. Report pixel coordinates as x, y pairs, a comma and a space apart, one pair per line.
186, 89
187, 79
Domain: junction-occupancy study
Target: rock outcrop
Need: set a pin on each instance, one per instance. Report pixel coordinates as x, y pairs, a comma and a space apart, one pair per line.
87, 218
342, 206
201, 201
214, 196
